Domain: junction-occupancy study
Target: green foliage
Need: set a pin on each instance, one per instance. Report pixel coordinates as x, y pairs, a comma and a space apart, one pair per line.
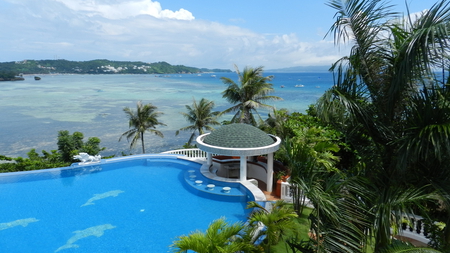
398, 246
266, 231
275, 123
302, 129
33, 162
189, 145
436, 235
220, 236
391, 108
70, 145
279, 223
92, 146
8, 75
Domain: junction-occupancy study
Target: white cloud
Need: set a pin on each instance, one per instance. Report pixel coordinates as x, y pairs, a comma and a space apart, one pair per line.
125, 9
86, 30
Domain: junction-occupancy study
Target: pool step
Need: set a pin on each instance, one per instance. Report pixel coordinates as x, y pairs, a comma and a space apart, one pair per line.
201, 183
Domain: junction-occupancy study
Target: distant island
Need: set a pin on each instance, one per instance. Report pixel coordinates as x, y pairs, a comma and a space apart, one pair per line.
10, 76
10, 71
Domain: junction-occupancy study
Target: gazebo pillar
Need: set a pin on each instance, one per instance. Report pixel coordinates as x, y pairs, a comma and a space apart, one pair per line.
209, 158
243, 169
269, 182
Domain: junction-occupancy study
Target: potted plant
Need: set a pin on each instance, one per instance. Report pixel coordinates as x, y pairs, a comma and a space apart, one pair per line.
281, 176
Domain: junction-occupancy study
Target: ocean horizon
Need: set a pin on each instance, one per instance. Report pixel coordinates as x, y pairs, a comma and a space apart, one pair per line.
34, 111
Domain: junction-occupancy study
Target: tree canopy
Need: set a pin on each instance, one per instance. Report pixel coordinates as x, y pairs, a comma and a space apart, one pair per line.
248, 95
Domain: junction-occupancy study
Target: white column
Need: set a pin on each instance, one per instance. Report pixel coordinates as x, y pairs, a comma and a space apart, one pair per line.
209, 158
243, 169
269, 172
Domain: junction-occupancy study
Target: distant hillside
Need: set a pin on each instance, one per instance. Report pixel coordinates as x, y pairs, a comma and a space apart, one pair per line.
301, 69
98, 67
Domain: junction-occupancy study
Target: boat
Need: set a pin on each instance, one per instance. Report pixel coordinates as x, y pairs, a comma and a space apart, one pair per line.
282, 86
37, 78
299, 85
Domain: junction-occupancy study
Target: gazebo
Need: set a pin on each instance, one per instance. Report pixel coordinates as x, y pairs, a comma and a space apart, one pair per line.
241, 140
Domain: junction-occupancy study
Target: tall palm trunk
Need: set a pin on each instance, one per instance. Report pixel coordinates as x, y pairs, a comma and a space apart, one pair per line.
142, 143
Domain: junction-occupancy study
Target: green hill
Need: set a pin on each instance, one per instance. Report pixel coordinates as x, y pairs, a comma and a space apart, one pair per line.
97, 67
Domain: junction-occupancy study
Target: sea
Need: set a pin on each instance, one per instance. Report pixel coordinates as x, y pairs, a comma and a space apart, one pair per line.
32, 112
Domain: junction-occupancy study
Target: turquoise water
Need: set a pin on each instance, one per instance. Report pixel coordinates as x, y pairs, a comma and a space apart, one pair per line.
32, 112
110, 208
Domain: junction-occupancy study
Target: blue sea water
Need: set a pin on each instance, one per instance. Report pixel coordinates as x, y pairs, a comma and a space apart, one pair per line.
32, 112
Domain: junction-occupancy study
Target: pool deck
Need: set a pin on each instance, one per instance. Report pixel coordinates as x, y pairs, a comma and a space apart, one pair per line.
270, 196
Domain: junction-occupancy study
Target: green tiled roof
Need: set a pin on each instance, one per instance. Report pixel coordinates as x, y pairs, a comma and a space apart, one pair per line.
238, 136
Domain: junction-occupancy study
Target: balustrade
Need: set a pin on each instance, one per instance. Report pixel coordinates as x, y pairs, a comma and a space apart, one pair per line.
191, 153
415, 228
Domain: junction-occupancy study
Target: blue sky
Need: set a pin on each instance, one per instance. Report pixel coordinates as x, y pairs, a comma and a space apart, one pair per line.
212, 34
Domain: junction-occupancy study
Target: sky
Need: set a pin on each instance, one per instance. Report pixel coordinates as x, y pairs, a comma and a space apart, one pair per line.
203, 34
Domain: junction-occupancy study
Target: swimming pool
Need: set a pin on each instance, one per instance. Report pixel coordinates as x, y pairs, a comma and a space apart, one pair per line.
131, 204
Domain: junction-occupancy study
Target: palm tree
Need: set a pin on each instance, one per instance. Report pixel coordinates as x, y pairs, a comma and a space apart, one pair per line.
219, 237
310, 156
145, 118
248, 95
201, 116
274, 124
273, 225
382, 101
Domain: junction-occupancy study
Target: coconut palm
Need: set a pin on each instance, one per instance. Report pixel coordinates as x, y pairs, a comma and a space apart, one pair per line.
274, 124
310, 155
248, 94
144, 119
273, 225
201, 116
379, 90
220, 236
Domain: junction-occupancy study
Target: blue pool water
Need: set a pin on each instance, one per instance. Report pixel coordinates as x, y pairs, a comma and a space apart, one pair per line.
128, 205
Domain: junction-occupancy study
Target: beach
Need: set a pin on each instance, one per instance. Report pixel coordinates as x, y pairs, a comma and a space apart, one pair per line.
32, 112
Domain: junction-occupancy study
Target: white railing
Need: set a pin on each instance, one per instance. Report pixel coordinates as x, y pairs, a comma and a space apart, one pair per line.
286, 193
414, 228
191, 152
